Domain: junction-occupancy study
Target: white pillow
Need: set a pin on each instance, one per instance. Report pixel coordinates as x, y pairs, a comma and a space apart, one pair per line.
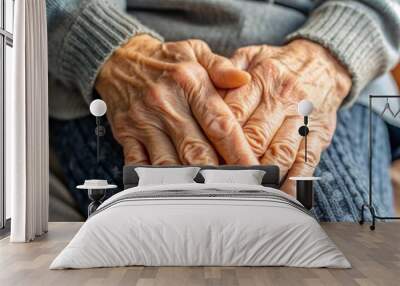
248, 177
164, 176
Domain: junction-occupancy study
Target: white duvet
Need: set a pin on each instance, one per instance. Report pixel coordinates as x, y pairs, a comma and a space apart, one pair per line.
207, 230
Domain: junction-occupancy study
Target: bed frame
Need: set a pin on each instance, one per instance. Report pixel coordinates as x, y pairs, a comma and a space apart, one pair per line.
270, 179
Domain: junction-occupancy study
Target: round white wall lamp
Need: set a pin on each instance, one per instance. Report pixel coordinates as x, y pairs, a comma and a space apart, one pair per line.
98, 108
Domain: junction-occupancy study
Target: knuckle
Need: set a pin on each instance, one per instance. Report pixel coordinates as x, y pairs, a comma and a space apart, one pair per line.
238, 111
131, 158
257, 138
313, 158
196, 152
142, 127
285, 153
154, 97
220, 126
196, 44
164, 159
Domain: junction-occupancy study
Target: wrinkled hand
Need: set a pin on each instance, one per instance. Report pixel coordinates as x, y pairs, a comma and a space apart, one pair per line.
163, 107
267, 106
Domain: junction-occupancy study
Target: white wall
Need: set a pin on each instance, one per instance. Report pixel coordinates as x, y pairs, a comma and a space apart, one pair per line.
9, 11
8, 86
9, 25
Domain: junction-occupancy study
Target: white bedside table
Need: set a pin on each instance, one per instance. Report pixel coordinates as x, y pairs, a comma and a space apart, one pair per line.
304, 190
96, 192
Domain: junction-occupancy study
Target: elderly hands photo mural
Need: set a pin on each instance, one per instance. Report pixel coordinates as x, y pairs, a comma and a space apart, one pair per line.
178, 103
191, 86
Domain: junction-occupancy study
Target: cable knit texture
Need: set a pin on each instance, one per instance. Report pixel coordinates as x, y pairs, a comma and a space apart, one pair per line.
343, 167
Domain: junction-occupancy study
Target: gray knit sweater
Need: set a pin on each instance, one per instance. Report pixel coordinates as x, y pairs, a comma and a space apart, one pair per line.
364, 35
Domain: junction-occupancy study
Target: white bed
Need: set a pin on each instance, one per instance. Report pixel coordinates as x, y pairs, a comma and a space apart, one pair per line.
221, 225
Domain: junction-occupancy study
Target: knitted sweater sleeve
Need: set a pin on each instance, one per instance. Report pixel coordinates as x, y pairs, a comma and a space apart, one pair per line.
364, 36
82, 34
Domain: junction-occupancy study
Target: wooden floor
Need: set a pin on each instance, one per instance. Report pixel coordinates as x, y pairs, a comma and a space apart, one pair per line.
375, 257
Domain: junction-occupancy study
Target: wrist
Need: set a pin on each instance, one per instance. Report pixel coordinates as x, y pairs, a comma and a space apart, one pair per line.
143, 44
339, 74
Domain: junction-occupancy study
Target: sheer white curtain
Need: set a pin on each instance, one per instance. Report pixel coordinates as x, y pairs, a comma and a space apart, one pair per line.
27, 124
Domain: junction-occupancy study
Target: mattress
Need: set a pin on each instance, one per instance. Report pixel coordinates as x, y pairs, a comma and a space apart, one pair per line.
201, 225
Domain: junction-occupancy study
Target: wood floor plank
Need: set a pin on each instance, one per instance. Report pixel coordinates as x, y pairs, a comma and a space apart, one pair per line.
375, 258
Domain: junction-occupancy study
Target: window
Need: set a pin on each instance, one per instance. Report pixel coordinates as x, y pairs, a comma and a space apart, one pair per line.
6, 64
